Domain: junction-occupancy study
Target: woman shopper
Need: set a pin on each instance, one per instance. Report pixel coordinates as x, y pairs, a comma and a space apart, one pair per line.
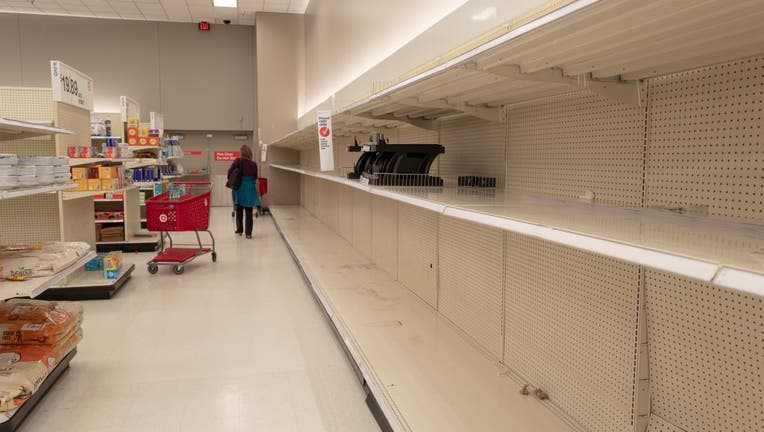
245, 196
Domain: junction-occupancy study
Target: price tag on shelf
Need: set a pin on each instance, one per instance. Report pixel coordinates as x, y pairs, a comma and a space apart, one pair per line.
71, 86
325, 147
364, 181
366, 148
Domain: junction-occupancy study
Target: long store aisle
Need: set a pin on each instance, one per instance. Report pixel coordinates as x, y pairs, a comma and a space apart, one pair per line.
239, 345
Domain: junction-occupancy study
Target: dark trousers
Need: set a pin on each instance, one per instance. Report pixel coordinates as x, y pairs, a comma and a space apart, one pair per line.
240, 213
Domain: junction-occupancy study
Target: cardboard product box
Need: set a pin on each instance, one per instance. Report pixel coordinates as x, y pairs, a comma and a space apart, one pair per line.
105, 172
112, 263
154, 141
160, 187
143, 141
79, 173
94, 184
109, 184
82, 185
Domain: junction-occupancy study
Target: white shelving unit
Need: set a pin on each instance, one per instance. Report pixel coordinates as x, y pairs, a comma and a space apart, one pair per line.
643, 109
16, 129
33, 287
34, 190
711, 250
85, 194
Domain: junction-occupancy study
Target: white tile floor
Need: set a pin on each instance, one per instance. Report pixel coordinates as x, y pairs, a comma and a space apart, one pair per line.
239, 345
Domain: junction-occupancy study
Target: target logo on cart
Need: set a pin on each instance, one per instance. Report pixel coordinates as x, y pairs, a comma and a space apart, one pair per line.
163, 218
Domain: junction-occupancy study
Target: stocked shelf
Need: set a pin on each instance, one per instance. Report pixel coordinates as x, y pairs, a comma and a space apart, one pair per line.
33, 287
34, 190
15, 129
110, 221
95, 137
393, 337
726, 253
85, 194
139, 148
130, 163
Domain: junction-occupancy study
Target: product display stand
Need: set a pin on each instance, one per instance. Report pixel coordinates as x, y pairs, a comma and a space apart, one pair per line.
83, 285
22, 412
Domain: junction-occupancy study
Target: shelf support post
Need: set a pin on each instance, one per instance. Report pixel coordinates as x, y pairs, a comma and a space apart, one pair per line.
420, 123
625, 92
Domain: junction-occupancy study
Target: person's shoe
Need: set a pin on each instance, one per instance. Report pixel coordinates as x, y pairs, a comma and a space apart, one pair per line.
249, 237
238, 232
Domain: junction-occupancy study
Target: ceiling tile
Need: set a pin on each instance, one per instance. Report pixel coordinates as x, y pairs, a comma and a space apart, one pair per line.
107, 15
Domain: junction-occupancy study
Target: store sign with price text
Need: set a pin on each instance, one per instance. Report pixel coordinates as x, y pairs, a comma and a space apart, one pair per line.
226, 156
325, 147
71, 86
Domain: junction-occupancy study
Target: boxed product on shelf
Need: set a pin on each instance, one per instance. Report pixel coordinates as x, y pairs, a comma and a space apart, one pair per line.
109, 184
132, 131
108, 172
94, 184
80, 173
109, 215
81, 185
96, 264
112, 264
110, 234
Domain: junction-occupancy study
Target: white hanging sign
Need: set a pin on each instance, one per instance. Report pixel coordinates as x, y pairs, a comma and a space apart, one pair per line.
129, 108
71, 86
157, 122
325, 147
263, 152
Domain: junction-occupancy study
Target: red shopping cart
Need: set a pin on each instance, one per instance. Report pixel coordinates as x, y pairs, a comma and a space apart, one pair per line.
185, 207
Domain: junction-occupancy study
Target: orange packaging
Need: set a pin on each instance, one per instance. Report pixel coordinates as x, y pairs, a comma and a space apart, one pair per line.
143, 141
82, 185
49, 355
94, 184
154, 141
107, 172
29, 324
79, 173
109, 184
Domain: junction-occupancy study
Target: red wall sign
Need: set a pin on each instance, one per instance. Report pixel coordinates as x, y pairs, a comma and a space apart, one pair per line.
192, 152
226, 156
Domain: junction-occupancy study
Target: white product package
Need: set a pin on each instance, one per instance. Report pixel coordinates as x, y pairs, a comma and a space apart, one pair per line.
8, 159
8, 170
26, 170
43, 170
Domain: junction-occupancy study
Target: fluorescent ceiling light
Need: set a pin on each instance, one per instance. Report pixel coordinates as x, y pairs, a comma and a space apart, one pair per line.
224, 3
485, 14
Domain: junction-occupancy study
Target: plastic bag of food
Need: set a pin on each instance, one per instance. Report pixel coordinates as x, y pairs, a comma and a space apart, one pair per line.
18, 381
48, 355
36, 323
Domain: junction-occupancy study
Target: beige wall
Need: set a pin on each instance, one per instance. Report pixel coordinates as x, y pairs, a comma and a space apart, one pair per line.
158, 64
465, 23
345, 38
280, 73
280, 69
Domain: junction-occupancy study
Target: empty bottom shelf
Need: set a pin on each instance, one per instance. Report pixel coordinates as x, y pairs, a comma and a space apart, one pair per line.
424, 374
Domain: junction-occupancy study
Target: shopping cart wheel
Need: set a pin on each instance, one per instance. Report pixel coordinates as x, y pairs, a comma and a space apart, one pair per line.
153, 268
178, 269
214, 256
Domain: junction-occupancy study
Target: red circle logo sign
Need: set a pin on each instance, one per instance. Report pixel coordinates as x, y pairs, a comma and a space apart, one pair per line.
324, 131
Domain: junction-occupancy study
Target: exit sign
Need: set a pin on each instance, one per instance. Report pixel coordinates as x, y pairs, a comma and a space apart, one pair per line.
204, 26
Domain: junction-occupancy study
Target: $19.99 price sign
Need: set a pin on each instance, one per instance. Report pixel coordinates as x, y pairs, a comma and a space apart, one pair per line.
71, 86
